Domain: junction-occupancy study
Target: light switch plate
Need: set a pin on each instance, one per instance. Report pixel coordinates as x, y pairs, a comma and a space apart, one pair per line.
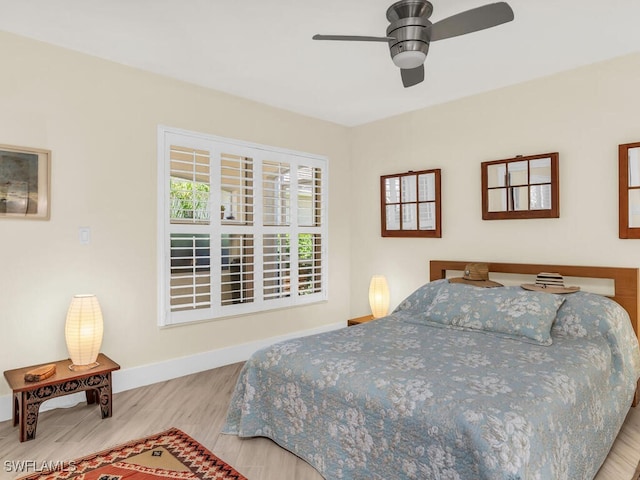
85, 235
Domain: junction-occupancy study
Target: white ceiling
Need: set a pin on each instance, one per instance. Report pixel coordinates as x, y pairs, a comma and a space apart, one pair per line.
262, 49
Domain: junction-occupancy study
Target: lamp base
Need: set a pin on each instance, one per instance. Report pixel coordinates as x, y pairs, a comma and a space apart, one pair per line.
80, 368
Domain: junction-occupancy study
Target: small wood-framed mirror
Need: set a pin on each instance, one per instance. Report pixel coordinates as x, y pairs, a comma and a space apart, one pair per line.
410, 204
629, 190
521, 187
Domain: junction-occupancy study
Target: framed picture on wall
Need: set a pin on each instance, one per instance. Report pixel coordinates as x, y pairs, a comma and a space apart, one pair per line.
24, 182
521, 187
410, 204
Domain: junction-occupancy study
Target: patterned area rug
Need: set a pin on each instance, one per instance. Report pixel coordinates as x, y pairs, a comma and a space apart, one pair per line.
168, 455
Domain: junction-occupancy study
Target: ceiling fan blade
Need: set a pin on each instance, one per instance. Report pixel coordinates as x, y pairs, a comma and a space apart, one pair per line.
472, 20
412, 76
354, 38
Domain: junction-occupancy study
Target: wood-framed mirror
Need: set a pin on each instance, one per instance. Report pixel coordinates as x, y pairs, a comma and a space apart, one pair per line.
629, 190
410, 204
521, 187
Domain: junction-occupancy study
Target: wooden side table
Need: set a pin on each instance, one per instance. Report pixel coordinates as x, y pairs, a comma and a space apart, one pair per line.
359, 320
28, 396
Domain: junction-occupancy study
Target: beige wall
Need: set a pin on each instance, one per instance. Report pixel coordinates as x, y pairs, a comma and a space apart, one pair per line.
100, 120
583, 114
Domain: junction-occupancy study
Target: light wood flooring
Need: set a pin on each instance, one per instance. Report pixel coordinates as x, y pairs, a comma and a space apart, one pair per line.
197, 404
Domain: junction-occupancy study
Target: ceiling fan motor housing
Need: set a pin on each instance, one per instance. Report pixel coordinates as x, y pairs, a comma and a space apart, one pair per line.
410, 34
409, 8
409, 27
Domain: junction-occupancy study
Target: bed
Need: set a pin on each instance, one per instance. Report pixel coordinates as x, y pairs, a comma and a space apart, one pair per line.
420, 394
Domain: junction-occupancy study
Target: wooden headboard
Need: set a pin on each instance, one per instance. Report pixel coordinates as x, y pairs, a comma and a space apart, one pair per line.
625, 280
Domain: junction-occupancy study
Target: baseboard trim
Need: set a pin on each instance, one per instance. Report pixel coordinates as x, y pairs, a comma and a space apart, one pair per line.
130, 378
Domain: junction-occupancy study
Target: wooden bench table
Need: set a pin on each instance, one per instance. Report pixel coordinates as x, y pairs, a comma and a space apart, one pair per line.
28, 396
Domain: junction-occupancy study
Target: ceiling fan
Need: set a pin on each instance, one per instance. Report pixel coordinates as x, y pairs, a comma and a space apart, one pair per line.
410, 32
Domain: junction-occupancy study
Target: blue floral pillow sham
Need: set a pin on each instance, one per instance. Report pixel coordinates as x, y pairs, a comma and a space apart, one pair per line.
421, 298
585, 314
507, 311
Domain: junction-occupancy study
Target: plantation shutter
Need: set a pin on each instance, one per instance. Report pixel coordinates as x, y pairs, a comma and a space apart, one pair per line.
276, 265
190, 245
190, 185
242, 227
237, 275
310, 239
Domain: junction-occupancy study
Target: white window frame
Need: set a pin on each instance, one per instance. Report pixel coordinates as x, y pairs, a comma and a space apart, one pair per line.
168, 136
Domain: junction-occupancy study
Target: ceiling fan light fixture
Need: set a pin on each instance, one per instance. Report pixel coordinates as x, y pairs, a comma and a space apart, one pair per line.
410, 32
409, 59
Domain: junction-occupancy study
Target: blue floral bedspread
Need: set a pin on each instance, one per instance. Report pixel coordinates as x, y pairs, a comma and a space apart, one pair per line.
406, 397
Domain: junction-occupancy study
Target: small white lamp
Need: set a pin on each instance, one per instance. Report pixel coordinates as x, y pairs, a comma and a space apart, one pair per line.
83, 331
379, 296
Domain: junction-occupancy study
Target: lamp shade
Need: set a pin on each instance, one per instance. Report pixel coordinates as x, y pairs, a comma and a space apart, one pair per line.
83, 330
379, 296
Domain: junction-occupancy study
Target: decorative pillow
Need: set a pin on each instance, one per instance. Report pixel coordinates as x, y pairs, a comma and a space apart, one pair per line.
421, 298
585, 314
508, 311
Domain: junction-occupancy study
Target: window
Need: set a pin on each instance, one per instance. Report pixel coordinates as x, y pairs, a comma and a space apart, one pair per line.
410, 204
629, 190
242, 227
521, 187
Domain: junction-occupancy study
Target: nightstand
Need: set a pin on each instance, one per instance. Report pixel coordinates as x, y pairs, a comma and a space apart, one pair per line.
27, 396
359, 320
